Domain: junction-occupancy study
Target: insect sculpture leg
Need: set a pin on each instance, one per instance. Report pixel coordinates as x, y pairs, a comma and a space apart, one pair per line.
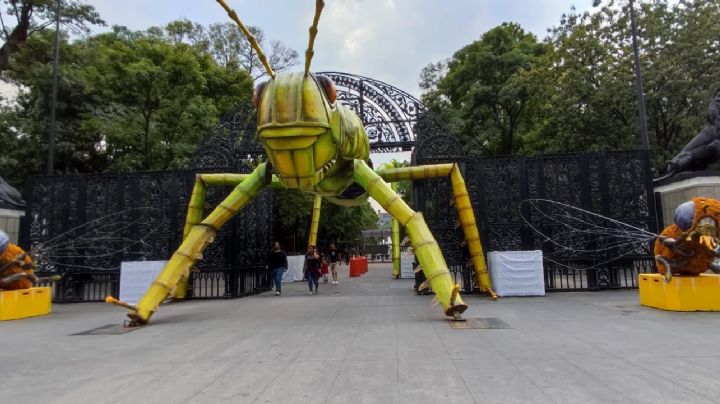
195, 212
426, 248
315, 223
197, 236
463, 205
395, 235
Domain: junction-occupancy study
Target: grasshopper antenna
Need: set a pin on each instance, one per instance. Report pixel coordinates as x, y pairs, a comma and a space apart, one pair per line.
319, 4
250, 37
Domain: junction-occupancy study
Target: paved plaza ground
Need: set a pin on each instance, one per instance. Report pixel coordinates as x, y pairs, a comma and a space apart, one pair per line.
368, 340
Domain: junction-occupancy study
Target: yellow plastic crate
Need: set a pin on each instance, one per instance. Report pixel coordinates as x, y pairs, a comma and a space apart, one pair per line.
16, 304
682, 293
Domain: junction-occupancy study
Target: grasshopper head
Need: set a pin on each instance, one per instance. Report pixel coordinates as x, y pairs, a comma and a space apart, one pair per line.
295, 123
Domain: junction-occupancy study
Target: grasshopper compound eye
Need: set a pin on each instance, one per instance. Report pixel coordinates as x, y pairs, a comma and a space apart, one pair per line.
329, 87
257, 94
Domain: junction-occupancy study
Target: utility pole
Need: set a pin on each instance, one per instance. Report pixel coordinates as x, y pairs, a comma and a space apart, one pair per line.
53, 101
638, 81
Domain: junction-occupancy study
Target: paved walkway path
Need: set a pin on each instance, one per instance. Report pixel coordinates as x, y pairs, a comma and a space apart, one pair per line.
368, 340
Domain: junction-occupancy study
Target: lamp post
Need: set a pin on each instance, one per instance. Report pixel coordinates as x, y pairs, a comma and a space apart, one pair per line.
638, 76
638, 81
53, 100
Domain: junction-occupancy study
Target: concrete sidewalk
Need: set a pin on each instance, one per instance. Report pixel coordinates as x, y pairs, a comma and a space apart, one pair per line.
367, 340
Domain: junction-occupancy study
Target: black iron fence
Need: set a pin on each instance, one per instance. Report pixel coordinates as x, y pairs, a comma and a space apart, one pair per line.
613, 184
84, 226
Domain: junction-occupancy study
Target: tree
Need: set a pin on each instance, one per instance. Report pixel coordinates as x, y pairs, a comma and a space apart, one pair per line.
340, 223
584, 87
485, 92
32, 16
586, 84
230, 48
126, 101
293, 213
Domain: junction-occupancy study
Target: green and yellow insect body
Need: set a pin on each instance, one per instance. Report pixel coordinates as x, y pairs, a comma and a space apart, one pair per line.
318, 146
310, 139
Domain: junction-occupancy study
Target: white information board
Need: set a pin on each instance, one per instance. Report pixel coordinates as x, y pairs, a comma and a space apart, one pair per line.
295, 268
517, 273
136, 277
406, 265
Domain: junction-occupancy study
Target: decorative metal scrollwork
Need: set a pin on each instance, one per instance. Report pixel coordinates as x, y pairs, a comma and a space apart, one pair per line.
388, 113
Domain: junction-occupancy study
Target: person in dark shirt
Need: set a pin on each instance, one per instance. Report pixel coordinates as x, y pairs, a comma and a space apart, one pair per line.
312, 268
334, 258
277, 263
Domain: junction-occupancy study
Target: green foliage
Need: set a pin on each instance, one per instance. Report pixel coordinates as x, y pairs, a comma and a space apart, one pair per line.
587, 82
339, 223
484, 92
293, 213
22, 18
126, 101
506, 93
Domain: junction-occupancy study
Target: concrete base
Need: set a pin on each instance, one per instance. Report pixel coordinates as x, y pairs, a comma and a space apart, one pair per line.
682, 293
684, 187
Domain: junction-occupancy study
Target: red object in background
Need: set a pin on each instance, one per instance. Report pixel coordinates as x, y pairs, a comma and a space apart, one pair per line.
325, 267
355, 267
363, 264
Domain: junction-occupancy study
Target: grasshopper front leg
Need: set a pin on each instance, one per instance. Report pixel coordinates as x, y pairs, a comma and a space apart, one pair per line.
315, 223
198, 234
426, 248
464, 208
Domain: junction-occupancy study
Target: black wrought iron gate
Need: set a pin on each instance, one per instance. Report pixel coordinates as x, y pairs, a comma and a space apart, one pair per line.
613, 184
232, 266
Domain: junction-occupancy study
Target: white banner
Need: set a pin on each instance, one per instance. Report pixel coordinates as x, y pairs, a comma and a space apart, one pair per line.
136, 277
295, 268
406, 265
517, 273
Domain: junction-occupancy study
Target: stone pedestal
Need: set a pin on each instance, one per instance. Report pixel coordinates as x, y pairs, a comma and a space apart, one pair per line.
10, 223
682, 188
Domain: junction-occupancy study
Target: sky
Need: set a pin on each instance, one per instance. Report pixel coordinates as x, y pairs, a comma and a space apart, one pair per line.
388, 40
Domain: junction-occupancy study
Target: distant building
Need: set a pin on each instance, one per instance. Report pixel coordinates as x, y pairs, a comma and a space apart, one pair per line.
384, 220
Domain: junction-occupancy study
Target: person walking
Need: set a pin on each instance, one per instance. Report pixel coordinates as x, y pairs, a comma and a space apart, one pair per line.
312, 269
325, 267
278, 264
334, 258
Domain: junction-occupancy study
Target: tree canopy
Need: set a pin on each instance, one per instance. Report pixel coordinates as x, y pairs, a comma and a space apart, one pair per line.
126, 101
483, 89
20, 19
575, 91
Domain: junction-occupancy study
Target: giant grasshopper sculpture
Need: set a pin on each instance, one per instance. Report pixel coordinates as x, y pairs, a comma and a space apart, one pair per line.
318, 146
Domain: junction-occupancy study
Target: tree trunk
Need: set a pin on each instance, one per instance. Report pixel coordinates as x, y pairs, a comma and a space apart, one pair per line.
17, 37
146, 160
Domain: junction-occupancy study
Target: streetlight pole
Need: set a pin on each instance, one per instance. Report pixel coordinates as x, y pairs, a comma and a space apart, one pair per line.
53, 101
638, 81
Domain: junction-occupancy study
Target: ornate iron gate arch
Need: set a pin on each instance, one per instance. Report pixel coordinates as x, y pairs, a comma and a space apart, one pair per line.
388, 113
390, 117
232, 145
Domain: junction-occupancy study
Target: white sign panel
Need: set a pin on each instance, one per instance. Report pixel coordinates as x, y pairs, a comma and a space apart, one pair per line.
295, 268
136, 277
406, 265
517, 273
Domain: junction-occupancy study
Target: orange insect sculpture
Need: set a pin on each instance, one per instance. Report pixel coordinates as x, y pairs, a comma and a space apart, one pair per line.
691, 245
16, 267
